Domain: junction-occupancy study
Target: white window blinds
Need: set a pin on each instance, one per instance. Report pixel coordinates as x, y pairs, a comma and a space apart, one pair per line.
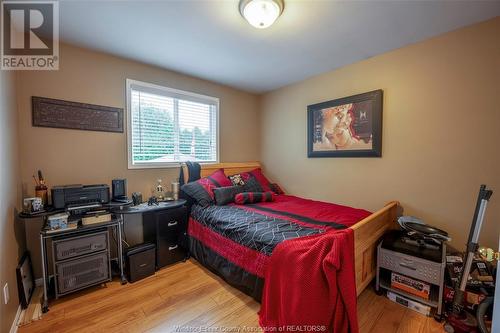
168, 126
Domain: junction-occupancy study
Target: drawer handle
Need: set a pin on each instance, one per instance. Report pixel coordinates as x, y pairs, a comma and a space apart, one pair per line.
172, 223
170, 248
407, 266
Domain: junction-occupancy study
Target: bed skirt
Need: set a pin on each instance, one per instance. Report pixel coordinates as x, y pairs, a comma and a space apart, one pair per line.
234, 275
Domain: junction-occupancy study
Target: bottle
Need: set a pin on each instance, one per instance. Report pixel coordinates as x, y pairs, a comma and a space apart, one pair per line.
41, 189
175, 190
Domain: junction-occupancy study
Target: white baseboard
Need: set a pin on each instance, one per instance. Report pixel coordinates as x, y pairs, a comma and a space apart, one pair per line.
13, 328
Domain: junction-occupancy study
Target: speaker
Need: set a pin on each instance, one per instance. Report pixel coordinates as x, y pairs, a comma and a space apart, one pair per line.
119, 189
137, 198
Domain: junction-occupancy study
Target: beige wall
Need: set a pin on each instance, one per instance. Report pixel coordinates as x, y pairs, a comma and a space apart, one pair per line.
72, 156
11, 237
441, 132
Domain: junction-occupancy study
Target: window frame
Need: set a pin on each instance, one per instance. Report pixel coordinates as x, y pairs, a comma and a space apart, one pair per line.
172, 93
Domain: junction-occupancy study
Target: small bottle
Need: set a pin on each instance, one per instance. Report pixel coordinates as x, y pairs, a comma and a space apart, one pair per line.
41, 189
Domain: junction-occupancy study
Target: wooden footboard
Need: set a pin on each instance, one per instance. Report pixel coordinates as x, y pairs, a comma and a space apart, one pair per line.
366, 235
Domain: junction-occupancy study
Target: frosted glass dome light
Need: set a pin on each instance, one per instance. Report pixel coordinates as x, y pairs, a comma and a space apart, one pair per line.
261, 13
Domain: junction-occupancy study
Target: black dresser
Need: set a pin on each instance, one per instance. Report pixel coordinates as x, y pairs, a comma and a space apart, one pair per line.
167, 229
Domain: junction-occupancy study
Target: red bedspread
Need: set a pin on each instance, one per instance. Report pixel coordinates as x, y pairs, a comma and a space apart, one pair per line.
310, 285
309, 280
318, 210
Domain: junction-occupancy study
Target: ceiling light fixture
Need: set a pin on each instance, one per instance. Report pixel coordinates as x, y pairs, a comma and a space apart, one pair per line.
261, 13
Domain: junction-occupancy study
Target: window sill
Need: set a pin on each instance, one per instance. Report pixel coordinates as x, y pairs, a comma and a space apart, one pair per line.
163, 165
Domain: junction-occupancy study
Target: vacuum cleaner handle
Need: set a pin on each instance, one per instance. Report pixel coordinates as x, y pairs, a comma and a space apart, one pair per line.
477, 221
472, 246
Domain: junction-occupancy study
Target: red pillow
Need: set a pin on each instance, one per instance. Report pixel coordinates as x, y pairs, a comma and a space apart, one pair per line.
202, 190
257, 173
219, 179
253, 197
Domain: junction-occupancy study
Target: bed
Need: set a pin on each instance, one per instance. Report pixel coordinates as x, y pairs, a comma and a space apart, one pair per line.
203, 247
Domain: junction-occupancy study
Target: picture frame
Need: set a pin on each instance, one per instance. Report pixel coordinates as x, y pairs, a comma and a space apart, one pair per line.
56, 113
25, 280
346, 127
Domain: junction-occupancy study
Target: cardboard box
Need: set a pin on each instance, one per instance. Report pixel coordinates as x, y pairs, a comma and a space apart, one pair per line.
411, 286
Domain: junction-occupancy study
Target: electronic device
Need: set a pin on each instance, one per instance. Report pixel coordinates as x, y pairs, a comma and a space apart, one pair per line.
119, 190
137, 198
78, 195
141, 261
410, 304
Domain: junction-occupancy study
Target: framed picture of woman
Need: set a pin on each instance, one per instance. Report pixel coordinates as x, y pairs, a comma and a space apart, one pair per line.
346, 127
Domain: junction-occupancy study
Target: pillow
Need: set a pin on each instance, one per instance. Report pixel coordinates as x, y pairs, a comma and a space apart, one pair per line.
237, 180
257, 173
276, 188
202, 189
225, 195
252, 185
253, 197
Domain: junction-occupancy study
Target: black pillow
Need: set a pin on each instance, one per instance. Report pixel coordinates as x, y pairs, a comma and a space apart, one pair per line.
252, 197
252, 185
225, 195
195, 191
276, 188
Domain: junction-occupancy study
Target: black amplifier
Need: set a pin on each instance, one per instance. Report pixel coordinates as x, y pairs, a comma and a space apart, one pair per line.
74, 195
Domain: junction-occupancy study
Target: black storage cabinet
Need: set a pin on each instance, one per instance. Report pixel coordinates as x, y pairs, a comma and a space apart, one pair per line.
141, 261
167, 229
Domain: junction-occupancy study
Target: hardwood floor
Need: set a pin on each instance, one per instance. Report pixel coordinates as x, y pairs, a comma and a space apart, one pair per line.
188, 295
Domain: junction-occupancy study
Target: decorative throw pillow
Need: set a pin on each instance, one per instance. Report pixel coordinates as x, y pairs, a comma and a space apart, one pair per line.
237, 180
202, 189
276, 188
225, 195
253, 197
257, 173
252, 185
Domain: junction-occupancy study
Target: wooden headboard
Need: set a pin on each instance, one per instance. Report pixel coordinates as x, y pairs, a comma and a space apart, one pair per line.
229, 168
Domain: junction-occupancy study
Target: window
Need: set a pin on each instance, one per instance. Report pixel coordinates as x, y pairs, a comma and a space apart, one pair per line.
167, 126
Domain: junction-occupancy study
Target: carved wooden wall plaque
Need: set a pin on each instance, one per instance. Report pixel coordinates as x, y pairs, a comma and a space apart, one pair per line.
48, 112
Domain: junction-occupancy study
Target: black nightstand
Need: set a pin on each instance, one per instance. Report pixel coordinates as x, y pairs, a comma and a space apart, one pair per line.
166, 228
165, 225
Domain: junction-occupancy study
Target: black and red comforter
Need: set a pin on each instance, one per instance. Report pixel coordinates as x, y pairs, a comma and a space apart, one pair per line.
240, 241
